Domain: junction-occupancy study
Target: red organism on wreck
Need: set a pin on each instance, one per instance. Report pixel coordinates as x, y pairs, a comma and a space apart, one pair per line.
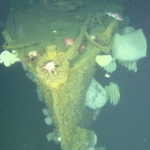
68, 41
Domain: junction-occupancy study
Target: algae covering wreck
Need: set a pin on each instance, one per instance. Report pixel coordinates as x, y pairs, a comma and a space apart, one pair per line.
64, 74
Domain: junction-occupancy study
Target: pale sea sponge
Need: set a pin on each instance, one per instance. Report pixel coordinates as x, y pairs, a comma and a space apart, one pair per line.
113, 93
103, 60
96, 96
8, 58
111, 67
48, 120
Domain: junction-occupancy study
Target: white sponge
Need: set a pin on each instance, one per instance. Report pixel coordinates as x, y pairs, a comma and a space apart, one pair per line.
96, 95
52, 136
8, 58
45, 112
48, 120
130, 46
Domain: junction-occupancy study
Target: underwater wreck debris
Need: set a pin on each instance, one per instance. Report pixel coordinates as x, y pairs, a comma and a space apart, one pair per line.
7, 37
19, 46
104, 49
65, 6
108, 33
64, 93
